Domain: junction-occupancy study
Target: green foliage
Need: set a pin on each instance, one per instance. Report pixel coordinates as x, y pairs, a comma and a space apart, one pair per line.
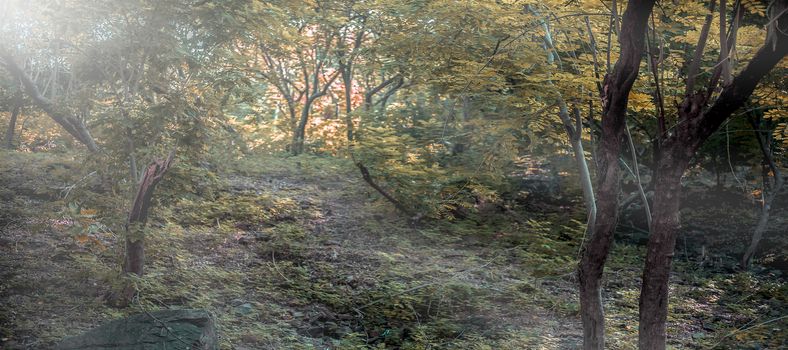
248, 211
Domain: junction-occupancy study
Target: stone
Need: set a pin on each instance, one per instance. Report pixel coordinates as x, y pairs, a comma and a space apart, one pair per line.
155, 330
244, 309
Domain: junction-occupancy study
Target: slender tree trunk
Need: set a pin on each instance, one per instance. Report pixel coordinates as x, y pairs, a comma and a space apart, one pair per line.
659, 255
300, 131
574, 132
598, 246
636, 173
368, 179
757, 234
779, 181
9, 134
347, 80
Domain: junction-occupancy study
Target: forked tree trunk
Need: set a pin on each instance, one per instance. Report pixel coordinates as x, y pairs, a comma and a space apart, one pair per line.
138, 215
695, 125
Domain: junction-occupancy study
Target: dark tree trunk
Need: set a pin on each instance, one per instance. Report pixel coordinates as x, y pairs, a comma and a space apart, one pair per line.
615, 98
138, 215
659, 255
134, 260
9, 134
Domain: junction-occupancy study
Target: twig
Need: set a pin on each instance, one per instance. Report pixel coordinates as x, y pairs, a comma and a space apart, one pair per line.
273, 259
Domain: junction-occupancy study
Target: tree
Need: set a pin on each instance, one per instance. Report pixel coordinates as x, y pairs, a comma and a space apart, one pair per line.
695, 124
300, 69
74, 126
699, 114
615, 96
15, 110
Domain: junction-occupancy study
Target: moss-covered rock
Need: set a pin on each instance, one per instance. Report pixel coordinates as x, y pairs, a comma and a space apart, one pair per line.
163, 329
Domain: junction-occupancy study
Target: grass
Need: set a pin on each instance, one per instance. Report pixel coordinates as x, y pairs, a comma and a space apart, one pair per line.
297, 253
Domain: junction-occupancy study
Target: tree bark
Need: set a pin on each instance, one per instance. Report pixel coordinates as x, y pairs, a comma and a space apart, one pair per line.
615, 97
369, 180
574, 131
659, 255
9, 134
757, 234
138, 215
300, 131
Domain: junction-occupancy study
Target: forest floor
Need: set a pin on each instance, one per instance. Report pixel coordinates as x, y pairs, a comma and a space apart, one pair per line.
300, 254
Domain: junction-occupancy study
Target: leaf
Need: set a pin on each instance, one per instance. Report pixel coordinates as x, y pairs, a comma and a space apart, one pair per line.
82, 238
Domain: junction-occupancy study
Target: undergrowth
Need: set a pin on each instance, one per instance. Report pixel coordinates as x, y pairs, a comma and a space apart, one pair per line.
298, 254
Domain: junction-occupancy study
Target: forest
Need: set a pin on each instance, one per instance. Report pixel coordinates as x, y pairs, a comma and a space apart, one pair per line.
393, 174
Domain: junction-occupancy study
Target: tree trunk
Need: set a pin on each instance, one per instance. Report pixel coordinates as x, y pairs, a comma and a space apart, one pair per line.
574, 132
138, 215
597, 248
300, 131
757, 234
368, 179
347, 80
615, 98
659, 255
9, 134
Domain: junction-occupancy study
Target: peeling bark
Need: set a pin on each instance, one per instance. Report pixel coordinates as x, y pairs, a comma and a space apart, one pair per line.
138, 215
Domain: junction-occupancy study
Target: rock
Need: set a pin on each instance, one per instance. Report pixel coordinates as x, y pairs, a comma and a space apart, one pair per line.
244, 309
261, 236
315, 332
163, 329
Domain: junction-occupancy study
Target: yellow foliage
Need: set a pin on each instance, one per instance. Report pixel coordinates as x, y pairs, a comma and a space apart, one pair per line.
640, 102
